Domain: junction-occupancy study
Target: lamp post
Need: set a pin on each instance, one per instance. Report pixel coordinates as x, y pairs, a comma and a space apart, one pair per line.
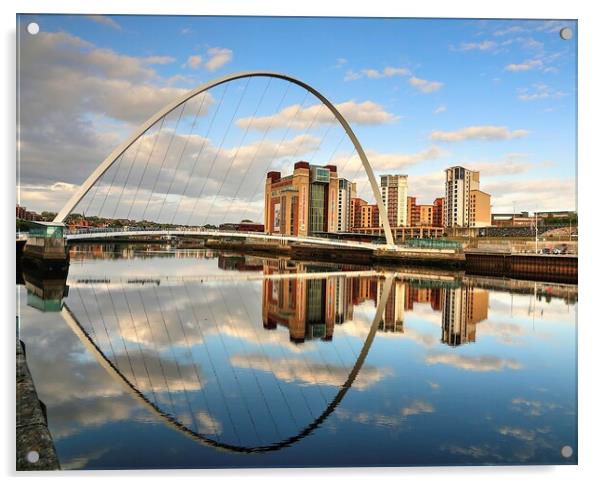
536, 232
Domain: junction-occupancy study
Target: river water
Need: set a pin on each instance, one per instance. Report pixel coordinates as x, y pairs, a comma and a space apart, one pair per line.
148, 357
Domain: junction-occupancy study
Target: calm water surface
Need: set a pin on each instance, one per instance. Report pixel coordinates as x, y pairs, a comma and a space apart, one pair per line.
160, 359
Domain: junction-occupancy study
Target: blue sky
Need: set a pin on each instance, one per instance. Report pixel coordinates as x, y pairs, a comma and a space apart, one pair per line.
495, 95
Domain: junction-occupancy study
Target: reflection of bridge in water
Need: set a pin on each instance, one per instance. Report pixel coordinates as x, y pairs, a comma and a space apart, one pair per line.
239, 384
191, 348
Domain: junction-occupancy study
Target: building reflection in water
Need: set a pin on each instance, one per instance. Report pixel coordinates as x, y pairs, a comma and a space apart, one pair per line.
311, 308
463, 308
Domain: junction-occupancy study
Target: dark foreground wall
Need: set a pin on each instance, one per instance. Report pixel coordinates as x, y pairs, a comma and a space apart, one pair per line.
32, 430
561, 269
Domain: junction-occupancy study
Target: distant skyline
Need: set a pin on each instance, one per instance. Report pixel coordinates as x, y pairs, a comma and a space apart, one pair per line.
497, 96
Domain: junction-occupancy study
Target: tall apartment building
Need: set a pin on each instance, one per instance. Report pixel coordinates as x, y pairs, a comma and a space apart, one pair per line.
346, 195
438, 205
465, 204
356, 211
369, 216
425, 215
479, 212
394, 190
303, 203
413, 217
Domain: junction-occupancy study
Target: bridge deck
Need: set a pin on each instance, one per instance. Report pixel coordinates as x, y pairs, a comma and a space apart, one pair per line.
82, 235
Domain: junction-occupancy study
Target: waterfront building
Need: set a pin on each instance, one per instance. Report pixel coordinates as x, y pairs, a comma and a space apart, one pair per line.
394, 191
356, 212
369, 216
24, 214
413, 217
346, 195
425, 212
403, 233
303, 203
438, 205
479, 214
512, 219
465, 204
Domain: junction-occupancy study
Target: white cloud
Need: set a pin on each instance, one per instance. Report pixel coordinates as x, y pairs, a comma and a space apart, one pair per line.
526, 65
478, 133
104, 20
159, 60
194, 62
246, 166
531, 407
440, 109
351, 75
509, 30
530, 43
518, 433
218, 57
417, 407
371, 73
389, 161
424, 85
539, 91
535, 194
551, 26
364, 113
291, 369
510, 164
427, 187
481, 46
78, 101
341, 61
484, 363
208, 424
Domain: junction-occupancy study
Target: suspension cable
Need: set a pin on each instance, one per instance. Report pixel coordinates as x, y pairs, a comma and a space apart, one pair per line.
171, 139
182, 154
233, 159
219, 149
157, 135
196, 161
211, 362
127, 180
259, 146
277, 150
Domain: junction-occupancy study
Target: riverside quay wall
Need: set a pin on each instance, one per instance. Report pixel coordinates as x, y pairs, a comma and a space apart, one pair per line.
552, 268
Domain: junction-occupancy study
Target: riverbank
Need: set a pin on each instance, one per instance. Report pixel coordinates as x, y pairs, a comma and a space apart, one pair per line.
35, 448
558, 269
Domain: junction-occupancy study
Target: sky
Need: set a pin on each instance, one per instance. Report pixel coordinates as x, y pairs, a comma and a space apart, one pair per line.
497, 96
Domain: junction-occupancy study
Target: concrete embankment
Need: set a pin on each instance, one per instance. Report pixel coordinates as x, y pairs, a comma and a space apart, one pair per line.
35, 448
553, 268
561, 269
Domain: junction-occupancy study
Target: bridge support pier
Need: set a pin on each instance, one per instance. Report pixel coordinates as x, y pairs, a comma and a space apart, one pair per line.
46, 246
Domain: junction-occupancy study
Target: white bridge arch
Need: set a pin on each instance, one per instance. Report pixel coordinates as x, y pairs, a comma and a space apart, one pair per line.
115, 154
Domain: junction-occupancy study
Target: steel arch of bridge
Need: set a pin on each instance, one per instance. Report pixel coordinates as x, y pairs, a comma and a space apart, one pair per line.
115, 154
